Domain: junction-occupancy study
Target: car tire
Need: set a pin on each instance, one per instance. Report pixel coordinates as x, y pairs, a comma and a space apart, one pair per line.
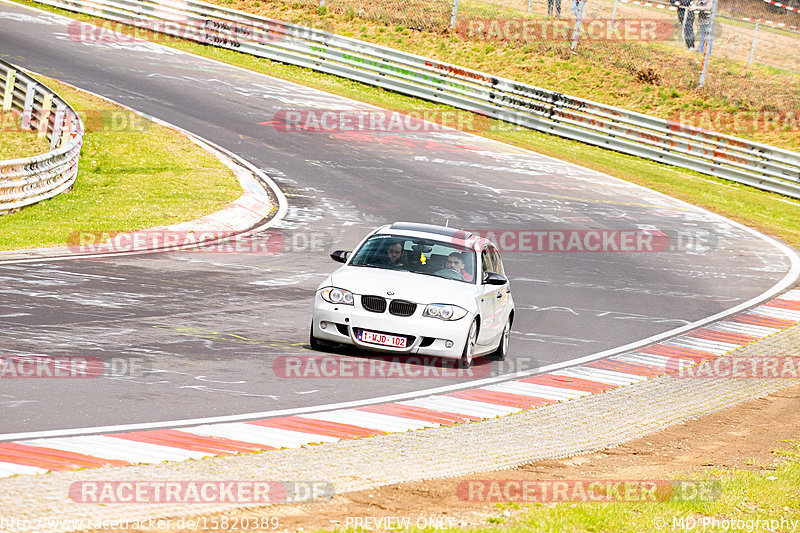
316, 344
469, 347
502, 349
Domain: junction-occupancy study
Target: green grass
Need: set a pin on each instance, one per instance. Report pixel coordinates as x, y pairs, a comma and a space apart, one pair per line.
16, 143
132, 174
745, 495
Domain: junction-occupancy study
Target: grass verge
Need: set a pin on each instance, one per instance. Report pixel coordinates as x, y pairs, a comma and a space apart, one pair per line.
16, 143
132, 174
739, 500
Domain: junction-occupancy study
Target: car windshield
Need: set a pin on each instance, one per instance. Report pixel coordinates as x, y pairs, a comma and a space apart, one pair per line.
413, 254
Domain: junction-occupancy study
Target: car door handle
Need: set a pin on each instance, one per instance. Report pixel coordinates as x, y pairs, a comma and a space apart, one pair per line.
499, 294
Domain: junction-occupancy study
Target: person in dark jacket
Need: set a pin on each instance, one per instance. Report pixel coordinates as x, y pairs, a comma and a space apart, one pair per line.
686, 20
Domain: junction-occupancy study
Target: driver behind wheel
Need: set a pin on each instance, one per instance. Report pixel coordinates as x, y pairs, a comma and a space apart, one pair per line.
395, 254
455, 262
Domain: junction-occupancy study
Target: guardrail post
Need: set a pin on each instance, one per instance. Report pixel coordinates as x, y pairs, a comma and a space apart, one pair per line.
44, 119
27, 109
9, 93
753, 46
58, 126
70, 125
454, 14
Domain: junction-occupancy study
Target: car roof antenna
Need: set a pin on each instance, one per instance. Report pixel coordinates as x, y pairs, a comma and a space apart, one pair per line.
447, 223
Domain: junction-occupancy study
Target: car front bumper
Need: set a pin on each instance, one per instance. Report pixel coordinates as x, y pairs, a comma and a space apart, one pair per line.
425, 335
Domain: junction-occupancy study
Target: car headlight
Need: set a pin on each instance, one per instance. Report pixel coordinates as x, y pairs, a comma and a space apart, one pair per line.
335, 295
444, 311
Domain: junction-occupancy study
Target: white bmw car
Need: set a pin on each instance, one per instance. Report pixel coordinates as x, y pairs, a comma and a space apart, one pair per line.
417, 289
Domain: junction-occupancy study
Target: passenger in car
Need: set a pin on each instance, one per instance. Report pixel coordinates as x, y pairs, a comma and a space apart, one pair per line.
455, 262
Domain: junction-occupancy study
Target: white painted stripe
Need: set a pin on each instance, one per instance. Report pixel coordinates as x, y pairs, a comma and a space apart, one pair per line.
712, 347
652, 360
745, 329
722, 345
777, 312
459, 406
793, 295
11, 469
602, 376
124, 450
265, 436
538, 391
381, 422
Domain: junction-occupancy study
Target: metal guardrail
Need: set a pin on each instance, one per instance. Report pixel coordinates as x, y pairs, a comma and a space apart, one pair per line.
740, 160
29, 105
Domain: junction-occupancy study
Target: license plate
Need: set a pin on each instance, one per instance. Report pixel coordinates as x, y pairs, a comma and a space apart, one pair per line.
381, 338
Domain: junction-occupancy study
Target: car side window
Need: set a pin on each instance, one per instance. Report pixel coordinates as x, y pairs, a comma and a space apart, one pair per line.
497, 264
486, 262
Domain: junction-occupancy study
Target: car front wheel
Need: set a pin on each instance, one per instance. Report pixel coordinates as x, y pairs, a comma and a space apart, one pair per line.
469, 348
316, 344
502, 349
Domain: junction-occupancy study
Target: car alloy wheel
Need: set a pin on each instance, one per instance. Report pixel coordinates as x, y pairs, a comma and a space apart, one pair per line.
469, 347
502, 349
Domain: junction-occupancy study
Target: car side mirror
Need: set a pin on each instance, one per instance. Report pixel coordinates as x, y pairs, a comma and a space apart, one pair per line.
340, 256
493, 278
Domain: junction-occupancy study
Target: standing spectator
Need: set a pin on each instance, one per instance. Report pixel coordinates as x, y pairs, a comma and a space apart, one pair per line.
703, 9
686, 20
577, 8
556, 4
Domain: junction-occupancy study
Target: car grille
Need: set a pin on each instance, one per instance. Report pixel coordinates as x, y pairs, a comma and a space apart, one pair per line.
376, 304
402, 308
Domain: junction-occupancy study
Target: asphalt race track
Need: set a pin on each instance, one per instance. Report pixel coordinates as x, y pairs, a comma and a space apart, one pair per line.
209, 327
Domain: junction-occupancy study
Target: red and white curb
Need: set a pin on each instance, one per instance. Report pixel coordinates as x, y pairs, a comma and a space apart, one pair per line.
649, 4
784, 6
771, 23
229, 438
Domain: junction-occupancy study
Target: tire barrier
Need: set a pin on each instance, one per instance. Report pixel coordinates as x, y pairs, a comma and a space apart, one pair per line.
34, 107
665, 141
